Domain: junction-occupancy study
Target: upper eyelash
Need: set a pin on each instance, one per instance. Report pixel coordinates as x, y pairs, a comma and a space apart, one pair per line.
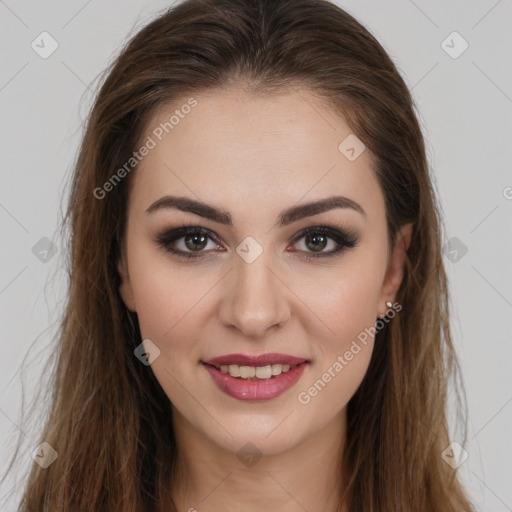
342, 238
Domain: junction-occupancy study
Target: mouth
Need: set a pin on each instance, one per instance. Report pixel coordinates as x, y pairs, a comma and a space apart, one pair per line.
255, 378
263, 366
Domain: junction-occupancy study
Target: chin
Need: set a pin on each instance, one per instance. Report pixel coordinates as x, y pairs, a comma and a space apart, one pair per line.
269, 434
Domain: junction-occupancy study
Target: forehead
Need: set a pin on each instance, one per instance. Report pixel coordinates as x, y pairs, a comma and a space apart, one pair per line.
258, 151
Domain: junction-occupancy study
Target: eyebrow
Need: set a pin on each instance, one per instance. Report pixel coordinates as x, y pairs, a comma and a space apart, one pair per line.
288, 216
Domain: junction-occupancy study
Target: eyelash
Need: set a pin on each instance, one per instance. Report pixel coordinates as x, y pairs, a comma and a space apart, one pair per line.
344, 239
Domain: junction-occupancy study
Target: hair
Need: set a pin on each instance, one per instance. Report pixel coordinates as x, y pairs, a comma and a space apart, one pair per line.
110, 421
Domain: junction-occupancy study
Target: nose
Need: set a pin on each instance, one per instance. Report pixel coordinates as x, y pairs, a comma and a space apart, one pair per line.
255, 298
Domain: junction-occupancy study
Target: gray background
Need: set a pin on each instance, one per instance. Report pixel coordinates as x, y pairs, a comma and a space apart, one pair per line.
465, 105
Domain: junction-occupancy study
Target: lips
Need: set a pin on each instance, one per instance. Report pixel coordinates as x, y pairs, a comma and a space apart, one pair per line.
256, 388
260, 360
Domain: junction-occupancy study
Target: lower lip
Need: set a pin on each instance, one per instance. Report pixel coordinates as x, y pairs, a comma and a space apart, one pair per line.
255, 390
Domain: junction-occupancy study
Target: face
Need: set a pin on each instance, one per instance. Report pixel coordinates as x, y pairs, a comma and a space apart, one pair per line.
254, 272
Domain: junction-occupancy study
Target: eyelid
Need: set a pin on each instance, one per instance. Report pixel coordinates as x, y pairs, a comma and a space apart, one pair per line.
345, 238
171, 235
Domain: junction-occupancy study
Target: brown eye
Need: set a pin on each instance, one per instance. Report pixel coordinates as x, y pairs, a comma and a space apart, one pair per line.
196, 241
192, 241
317, 239
187, 241
316, 242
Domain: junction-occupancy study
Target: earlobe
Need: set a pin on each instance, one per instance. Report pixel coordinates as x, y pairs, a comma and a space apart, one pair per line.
125, 288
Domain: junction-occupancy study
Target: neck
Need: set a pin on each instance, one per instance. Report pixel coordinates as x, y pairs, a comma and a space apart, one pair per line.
305, 477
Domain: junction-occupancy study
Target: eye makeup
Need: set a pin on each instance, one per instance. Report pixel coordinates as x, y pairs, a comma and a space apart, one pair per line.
168, 238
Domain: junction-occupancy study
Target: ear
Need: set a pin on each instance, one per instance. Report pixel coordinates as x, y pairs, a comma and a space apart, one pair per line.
125, 288
395, 270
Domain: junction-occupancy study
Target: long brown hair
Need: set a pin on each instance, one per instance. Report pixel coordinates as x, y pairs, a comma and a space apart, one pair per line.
110, 420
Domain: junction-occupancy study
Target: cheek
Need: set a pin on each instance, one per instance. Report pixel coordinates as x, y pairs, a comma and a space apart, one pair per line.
165, 299
159, 306
347, 308
167, 311
345, 300
341, 359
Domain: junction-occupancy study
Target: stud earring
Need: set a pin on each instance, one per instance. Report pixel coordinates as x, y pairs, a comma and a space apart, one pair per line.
388, 304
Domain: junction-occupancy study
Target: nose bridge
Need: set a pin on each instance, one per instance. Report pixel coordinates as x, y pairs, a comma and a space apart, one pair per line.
257, 300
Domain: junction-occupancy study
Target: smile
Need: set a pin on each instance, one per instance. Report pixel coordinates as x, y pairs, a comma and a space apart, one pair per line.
255, 378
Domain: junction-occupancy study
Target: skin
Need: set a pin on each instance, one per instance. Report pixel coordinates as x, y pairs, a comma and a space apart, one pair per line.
255, 156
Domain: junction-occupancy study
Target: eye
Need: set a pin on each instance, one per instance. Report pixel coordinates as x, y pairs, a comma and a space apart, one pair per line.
186, 241
318, 238
192, 241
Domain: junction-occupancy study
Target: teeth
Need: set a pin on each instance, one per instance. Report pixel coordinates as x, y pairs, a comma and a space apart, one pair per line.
264, 372
232, 369
247, 372
261, 372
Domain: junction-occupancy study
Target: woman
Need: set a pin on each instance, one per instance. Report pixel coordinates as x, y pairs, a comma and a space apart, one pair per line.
258, 309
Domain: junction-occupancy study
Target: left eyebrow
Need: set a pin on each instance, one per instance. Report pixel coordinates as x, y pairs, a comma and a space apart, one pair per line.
288, 216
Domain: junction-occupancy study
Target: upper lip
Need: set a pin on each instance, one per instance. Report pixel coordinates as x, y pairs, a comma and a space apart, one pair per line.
252, 360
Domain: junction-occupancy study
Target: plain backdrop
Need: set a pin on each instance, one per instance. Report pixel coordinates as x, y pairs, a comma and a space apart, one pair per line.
464, 96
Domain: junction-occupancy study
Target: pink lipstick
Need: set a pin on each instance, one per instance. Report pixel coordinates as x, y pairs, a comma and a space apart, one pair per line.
255, 378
